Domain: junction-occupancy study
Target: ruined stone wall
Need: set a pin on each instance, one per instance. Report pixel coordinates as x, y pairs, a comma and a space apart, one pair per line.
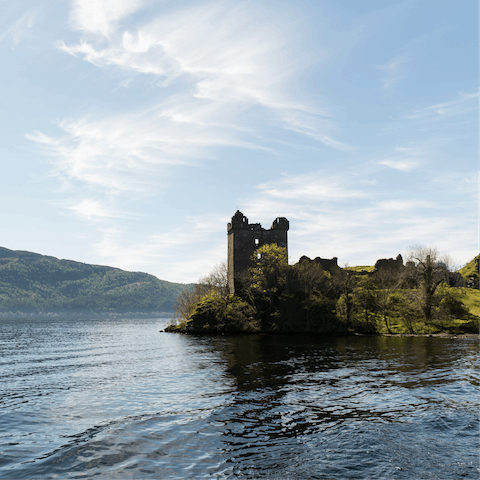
389, 263
329, 264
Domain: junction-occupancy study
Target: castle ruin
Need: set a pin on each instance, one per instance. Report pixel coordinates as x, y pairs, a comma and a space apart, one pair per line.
244, 238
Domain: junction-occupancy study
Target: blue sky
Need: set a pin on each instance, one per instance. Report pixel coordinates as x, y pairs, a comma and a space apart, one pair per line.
133, 130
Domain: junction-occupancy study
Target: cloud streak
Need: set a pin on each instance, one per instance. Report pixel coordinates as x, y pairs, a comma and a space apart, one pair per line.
464, 103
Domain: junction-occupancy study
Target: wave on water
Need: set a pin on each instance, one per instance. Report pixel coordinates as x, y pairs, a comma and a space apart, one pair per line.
91, 398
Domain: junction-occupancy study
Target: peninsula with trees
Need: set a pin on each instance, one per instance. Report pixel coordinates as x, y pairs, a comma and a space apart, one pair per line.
257, 291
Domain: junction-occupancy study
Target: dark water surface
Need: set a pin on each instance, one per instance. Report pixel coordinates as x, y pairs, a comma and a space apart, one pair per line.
117, 399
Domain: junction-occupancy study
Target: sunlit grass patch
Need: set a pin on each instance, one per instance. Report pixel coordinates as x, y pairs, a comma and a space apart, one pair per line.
368, 268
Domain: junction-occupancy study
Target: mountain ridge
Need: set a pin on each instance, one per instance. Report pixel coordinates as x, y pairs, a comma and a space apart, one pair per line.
34, 282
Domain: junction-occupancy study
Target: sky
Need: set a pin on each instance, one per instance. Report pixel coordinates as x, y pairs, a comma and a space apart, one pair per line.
133, 130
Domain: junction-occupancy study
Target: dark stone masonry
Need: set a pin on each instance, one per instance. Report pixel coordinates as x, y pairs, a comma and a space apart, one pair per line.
244, 238
389, 263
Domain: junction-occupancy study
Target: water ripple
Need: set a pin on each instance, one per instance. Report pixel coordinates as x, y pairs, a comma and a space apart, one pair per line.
84, 398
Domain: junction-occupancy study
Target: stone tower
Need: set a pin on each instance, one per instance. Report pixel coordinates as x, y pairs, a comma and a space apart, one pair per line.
244, 238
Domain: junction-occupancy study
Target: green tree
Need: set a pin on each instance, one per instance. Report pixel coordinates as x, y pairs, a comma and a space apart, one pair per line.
310, 278
404, 306
269, 270
217, 313
268, 279
431, 269
345, 282
365, 300
387, 280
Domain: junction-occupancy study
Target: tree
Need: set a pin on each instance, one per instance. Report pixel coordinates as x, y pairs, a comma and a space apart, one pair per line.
365, 299
345, 282
269, 270
404, 306
214, 314
215, 281
268, 281
387, 280
432, 269
310, 277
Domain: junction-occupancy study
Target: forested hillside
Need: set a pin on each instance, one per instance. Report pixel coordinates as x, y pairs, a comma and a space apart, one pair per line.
33, 282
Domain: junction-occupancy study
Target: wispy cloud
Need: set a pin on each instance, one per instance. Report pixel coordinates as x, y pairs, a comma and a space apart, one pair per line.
134, 152
400, 164
20, 29
392, 70
353, 217
189, 251
405, 159
220, 74
312, 187
90, 209
464, 103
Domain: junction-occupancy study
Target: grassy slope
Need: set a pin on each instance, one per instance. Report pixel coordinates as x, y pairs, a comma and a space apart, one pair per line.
470, 269
30, 281
470, 297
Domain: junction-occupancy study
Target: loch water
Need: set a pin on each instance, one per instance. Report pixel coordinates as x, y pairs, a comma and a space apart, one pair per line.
117, 398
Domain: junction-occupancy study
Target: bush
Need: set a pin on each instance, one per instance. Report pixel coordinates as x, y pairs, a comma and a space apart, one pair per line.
229, 314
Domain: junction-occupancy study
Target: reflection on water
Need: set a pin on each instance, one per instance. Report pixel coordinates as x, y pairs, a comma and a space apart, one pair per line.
119, 399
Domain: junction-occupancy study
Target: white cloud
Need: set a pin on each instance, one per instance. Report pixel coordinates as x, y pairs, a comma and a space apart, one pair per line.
90, 209
406, 159
400, 164
101, 16
312, 187
134, 152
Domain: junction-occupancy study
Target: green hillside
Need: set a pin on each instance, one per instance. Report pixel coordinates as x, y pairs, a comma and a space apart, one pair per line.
33, 282
470, 269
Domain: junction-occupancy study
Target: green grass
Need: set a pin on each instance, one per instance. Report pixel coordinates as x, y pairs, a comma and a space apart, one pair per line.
368, 268
456, 326
470, 297
470, 269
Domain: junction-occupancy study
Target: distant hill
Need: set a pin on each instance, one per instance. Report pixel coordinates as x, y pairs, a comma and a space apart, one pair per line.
38, 283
